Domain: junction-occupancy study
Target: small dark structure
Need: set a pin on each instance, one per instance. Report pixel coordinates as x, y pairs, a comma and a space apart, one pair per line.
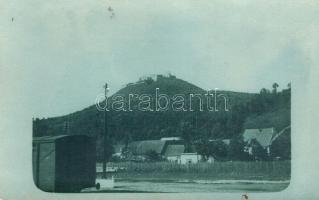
64, 163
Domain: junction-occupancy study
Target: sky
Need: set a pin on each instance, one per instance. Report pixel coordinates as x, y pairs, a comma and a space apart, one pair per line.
57, 55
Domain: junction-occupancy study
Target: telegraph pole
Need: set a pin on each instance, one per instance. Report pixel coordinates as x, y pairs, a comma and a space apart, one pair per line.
105, 138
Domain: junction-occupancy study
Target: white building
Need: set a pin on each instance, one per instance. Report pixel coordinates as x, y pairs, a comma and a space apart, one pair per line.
211, 159
189, 158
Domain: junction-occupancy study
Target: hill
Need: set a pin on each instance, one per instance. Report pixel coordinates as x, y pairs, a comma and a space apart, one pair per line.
246, 110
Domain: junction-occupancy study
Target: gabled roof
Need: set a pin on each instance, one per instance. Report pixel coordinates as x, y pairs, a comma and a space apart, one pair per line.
142, 147
262, 136
174, 150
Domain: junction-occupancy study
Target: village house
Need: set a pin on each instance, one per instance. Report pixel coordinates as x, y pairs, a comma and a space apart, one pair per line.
263, 137
190, 158
173, 152
169, 148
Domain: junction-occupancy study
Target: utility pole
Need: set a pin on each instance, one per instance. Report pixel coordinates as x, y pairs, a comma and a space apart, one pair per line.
105, 138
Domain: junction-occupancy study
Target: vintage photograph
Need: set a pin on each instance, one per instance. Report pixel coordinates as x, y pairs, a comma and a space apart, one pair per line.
160, 100
164, 134
184, 98
157, 97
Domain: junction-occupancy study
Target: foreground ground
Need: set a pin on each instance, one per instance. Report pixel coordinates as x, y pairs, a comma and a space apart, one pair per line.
203, 177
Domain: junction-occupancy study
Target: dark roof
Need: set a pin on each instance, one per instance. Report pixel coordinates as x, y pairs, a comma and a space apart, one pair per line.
262, 136
142, 147
174, 150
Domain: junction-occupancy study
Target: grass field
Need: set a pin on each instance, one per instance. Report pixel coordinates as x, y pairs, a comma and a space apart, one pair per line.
238, 170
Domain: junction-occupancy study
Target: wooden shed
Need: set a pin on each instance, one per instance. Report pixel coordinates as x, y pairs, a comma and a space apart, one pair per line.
64, 163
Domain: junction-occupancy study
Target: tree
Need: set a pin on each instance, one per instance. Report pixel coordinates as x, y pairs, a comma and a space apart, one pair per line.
186, 130
202, 148
236, 150
218, 150
275, 86
281, 147
264, 91
149, 80
99, 150
259, 152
